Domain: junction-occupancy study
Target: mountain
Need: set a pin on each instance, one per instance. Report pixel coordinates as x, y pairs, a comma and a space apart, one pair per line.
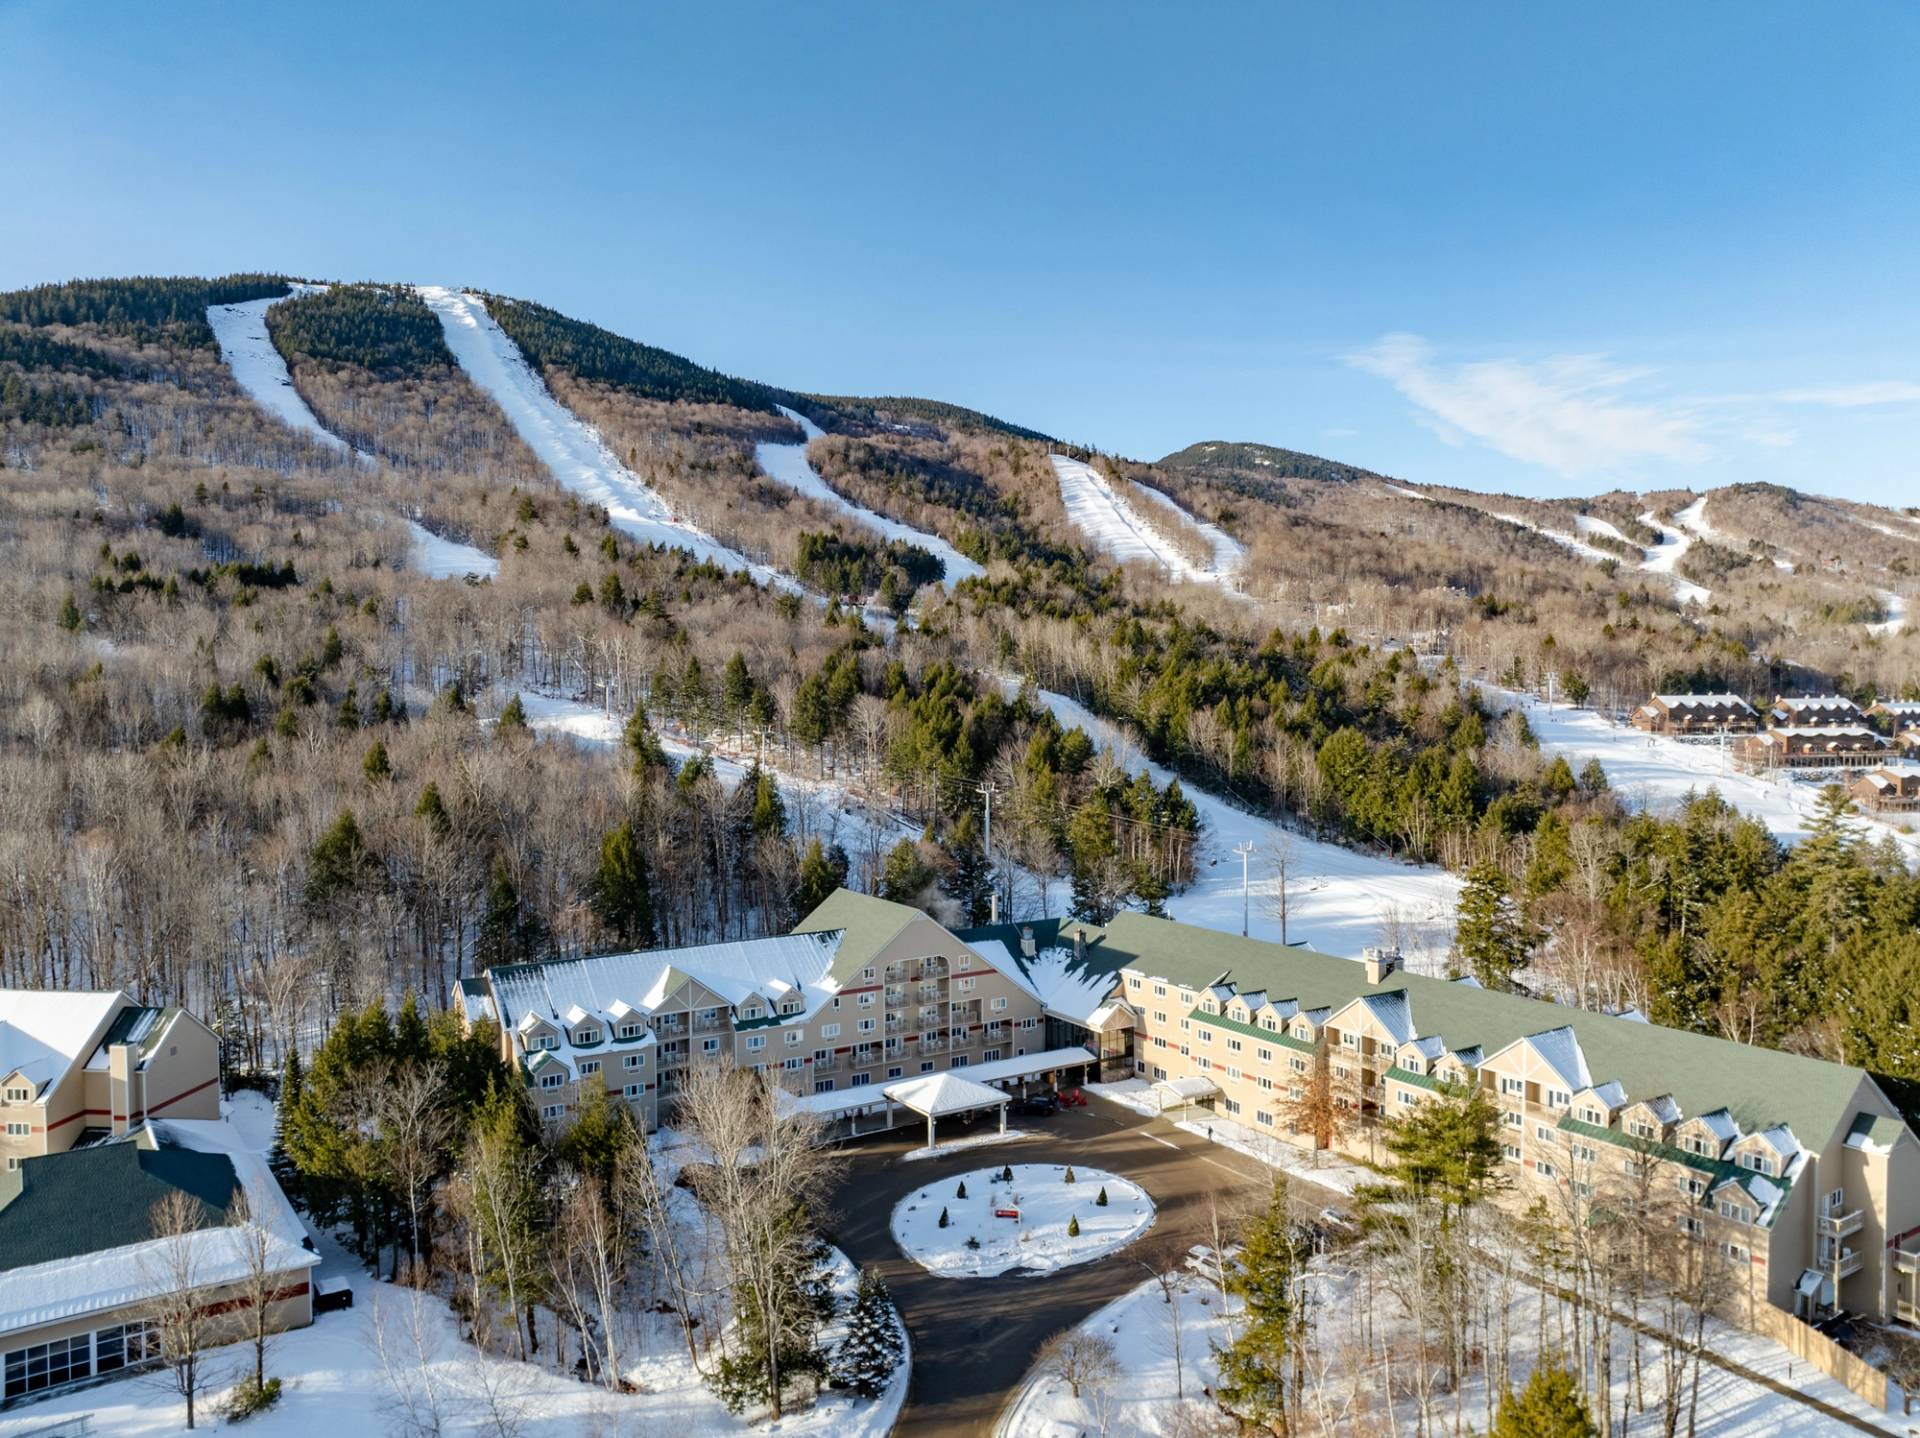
1257, 464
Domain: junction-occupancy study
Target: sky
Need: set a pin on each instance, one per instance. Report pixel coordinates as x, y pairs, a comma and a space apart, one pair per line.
1546, 249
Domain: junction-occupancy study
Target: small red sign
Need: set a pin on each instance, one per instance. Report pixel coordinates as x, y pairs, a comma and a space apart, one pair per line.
1006, 1213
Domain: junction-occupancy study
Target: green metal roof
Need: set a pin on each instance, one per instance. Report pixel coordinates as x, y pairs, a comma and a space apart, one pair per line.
1758, 1086
89, 1199
866, 924
1252, 1031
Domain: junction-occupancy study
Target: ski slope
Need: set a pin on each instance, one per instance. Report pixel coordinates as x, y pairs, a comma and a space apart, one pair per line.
787, 463
572, 449
1119, 530
439, 558
1229, 554
260, 370
1667, 554
1561, 538
1337, 898
1895, 603
1592, 524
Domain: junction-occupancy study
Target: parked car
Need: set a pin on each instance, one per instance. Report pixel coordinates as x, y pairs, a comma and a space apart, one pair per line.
1038, 1104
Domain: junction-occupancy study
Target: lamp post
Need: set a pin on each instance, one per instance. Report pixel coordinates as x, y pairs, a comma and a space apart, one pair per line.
1245, 851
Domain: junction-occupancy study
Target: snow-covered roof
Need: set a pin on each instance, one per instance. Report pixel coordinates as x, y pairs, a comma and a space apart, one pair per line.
1720, 1124
1063, 985
577, 1015
1819, 731
1663, 1108
768, 969
944, 1093
1610, 1095
44, 1032
1429, 1048
1780, 1139
1393, 1013
1560, 1051
1190, 1087
1696, 701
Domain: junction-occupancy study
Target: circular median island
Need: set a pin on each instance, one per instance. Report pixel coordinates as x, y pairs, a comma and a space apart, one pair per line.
1046, 1216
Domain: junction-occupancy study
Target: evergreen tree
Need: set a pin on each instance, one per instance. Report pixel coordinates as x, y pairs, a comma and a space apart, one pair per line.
867, 1356
821, 873
70, 618
1253, 1383
513, 719
906, 875
432, 810
621, 891
509, 933
969, 881
376, 765
1550, 1406
1447, 1148
1490, 937
339, 863
768, 818
643, 743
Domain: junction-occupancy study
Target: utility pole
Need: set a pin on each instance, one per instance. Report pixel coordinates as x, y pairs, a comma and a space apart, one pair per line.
1281, 860
1245, 851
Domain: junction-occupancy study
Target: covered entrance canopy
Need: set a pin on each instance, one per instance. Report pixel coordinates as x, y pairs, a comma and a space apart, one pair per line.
1185, 1090
936, 1095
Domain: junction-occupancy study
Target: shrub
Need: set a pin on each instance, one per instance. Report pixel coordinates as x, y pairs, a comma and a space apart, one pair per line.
1101, 1201
1073, 1226
973, 1242
251, 1397
1006, 1174
1070, 1177
944, 1220
961, 1192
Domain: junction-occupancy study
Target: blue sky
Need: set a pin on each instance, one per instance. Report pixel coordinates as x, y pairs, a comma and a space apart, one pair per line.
1542, 248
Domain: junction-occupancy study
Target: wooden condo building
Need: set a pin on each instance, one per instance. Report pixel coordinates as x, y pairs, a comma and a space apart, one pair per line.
1684, 714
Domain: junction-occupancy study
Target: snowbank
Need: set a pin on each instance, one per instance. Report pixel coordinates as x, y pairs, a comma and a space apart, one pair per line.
1035, 1242
1329, 1171
787, 463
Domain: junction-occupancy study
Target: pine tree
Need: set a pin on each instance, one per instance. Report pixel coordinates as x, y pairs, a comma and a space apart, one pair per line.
969, 881
432, 809
339, 863
820, 875
621, 891
643, 743
1073, 1225
1490, 936
1550, 1406
376, 765
867, 1356
1101, 1200
961, 1192
509, 934
1069, 1178
944, 1220
70, 618
513, 718
1254, 1366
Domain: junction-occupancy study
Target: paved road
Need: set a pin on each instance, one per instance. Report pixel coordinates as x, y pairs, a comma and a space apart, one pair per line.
974, 1339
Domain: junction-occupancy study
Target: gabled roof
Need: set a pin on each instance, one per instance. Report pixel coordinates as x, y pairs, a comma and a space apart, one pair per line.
1610, 1095
944, 1093
866, 926
45, 1032
1874, 1132
84, 1200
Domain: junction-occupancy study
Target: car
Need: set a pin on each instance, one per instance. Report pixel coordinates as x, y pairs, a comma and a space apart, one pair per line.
1038, 1104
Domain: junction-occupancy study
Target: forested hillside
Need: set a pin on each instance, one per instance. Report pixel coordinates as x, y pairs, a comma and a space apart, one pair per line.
247, 750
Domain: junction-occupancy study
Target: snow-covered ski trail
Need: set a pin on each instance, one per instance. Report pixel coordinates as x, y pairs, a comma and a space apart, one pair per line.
1122, 532
1338, 899
1666, 554
1560, 537
261, 371
571, 448
1229, 554
787, 463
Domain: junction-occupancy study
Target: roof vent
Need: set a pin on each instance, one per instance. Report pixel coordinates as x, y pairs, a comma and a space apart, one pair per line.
1026, 940
1381, 963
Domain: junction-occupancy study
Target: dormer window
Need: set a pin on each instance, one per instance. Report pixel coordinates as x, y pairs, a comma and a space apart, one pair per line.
1208, 1007
19, 1095
1758, 1162
1594, 1117
1270, 1026
751, 1011
1640, 1128
629, 1031
585, 1036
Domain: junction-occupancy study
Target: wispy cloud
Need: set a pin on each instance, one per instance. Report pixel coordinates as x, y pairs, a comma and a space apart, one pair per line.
1567, 413
1855, 396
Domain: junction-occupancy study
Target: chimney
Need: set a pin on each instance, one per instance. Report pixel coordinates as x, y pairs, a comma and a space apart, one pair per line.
1027, 946
1381, 963
1079, 945
993, 907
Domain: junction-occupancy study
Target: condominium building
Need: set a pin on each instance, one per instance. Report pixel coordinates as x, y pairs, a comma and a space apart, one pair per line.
93, 1064
1682, 714
1820, 746
1814, 710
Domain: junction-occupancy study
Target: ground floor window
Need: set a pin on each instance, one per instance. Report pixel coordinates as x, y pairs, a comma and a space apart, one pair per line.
859, 1080
991, 1056
1265, 1117
1231, 1105
123, 1346
823, 1085
894, 1072
959, 1061
48, 1365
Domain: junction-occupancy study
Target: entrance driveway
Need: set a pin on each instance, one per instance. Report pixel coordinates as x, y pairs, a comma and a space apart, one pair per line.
975, 1339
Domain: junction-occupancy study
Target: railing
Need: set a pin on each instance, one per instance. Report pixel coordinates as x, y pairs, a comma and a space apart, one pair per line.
77, 1426
931, 1045
897, 994
702, 1025
929, 993
1905, 1262
1848, 1264
1839, 1225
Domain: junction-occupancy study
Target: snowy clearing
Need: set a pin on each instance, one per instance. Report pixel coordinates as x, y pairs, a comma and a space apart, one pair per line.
1655, 773
572, 449
1326, 1169
1593, 524
1407, 493
439, 558
787, 463
1895, 604
1156, 1371
1666, 554
978, 1244
260, 370
1339, 900
1561, 538
1117, 529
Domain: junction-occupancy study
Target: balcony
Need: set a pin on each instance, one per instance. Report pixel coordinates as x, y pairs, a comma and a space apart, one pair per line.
1847, 1264
896, 994
1905, 1262
929, 993
706, 1023
931, 1045
1840, 1225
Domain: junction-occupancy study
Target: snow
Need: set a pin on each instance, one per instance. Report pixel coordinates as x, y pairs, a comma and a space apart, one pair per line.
787, 463
1560, 537
1326, 1169
1229, 554
1139, 1325
439, 558
1337, 897
572, 449
1119, 530
1407, 493
1036, 1242
1668, 552
960, 1145
1656, 773
1593, 524
945, 1093
44, 1032
1895, 605
259, 369
334, 1380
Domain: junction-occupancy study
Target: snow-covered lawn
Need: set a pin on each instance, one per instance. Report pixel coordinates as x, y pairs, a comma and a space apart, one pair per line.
1328, 1170
977, 1244
1141, 1326
1120, 530
1339, 900
259, 369
787, 463
439, 558
1656, 773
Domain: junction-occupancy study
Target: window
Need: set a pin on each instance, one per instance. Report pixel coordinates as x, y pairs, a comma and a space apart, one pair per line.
19, 1095
1341, 1071
1558, 1098
829, 1031
1738, 1252
1543, 1133
966, 985
755, 1042
549, 1041
866, 975
894, 1072
554, 1110
795, 1063
629, 1031
1264, 1055
1511, 1086
1690, 1225
1159, 991
1512, 1119
1029, 1023
959, 1061
1233, 1046
1350, 1040
991, 1056
926, 1066
1511, 1152
634, 1090
795, 1038
552, 1080
1758, 1162
866, 1026
1299, 1065
1640, 1128
866, 1001
859, 1080
586, 1036
1594, 1117
751, 1011
635, 1061
1545, 1170
1584, 1190
1586, 1153
712, 1046
1265, 1118
1407, 1096
1232, 1072
1734, 1211
999, 1006
823, 1085
1206, 1036
589, 1066
964, 962
48, 1365
19, 1130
